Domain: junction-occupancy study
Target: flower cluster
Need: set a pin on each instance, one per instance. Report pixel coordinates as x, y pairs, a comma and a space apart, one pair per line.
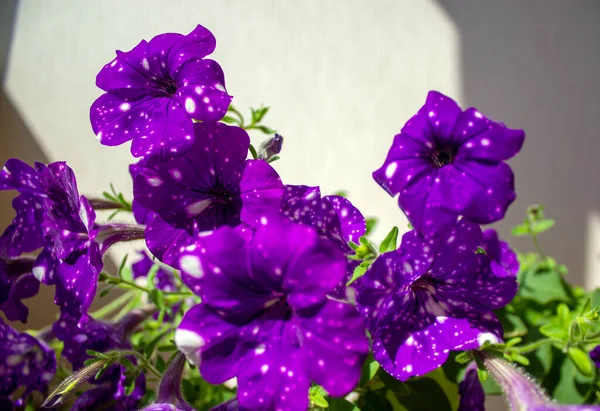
272, 286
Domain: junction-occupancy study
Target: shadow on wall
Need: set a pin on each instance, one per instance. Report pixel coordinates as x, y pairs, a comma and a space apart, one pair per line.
534, 65
17, 141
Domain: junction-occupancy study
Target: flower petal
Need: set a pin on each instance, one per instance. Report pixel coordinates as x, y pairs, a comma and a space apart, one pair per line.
334, 339
261, 191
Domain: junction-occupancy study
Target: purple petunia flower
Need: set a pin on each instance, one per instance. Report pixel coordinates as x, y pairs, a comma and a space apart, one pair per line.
333, 216
265, 317
472, 396
595, 356
429, 297
16, 283
169, 396
155, 90
24, 362
447, 162
73, 244
503, 259
211, 185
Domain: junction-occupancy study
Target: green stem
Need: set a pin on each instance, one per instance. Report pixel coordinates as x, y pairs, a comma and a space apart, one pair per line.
132, 284
238, 114
143, 359
538, 247
531, 347
112, 306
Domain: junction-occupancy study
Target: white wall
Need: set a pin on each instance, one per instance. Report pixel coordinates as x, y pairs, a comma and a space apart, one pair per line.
342, 77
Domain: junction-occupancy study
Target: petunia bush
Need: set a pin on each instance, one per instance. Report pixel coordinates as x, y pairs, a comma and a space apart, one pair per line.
248, 293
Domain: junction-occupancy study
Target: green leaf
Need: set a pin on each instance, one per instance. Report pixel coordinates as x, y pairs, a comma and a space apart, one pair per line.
543, 285
341, 404
449, 387
265, 129
230, 120
555, 331
371, 222
581, 360
104, 292
491, 387
572, 386
390, 241
513, 325
258, 114
274, 158
520, 359
253, 152
130, 386
463, 357
423, 393
97, 354
369, 369
480, 250
91, 361
160, 364
122, 266
158, 298
149, 349
359, 271
585, 306
520, 230
317, 395
377, 401
167, 348
542, 225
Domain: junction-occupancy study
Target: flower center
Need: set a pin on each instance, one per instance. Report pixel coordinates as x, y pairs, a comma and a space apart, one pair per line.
221, 195
422, 283
168, 86
443, 156
278, 309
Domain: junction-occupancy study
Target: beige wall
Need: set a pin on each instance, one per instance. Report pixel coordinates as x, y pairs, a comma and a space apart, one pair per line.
342, 76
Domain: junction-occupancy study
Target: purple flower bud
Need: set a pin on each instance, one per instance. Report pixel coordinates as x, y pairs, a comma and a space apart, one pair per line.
169, 393
521, 390
270, 148
472, 396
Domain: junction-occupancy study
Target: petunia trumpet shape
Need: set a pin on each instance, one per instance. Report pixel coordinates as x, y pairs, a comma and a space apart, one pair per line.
265, 317
211, 185
447, 162
169, 396
521, 391
155, 90
430, 296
